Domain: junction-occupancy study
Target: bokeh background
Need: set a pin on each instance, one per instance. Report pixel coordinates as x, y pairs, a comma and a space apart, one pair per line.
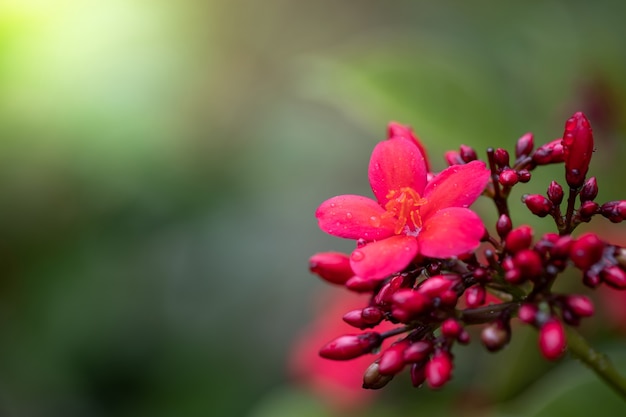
161, 161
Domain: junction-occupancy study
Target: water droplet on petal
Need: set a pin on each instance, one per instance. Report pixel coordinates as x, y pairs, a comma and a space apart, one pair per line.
361, 242
332, 204
357, 256
375, 221
348, 215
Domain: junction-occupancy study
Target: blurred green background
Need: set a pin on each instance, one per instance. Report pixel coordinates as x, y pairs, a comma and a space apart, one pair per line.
161, 161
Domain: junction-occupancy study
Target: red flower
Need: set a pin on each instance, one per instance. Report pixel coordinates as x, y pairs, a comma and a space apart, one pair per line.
411, 215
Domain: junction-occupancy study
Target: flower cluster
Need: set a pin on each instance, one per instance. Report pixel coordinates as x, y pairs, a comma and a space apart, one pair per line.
431, 268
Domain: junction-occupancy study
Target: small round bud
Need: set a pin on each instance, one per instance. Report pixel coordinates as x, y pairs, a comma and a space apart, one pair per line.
475, 296
529, 264
438, 370
501, 157
552, 341
586, 251
503, 225
418, 351
615, 211
614, 276
519, 238
453, 158
495, 336
333, 267
555, 193
524, 145
550, 153
508, 177
350, 346
406, 304
537, 204
392, 359
386, 292
589, 190
523, 175
561, 248
451, 328
580, 305
588, 209
435, 286
467, 153
527, 313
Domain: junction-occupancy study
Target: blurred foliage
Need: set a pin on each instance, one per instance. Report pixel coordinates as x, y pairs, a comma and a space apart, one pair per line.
160, 163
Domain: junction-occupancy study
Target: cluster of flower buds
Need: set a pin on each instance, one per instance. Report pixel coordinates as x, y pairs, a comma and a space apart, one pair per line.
433, 298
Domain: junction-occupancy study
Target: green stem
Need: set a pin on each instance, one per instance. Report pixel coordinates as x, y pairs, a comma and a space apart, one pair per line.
597, 362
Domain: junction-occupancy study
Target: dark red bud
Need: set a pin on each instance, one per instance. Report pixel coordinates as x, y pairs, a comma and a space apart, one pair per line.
591, 278
333, 267
480, 274
524, 145
555, 193
417, 351
467, 153
387, 291
392, 359
495, 336
508, 177
501, 157
350, 346
523, 175
537, 204
449, 298
529, 264
615, 211
503, 225
475, 296
362, 319
561, 248
418, 374
589, 190
550, 153
438, 370
451, 328
586, 251
373, 379
588, 209
372, 315
578, 148
580, 305
435, 286
614, 276
409, 303
453, 158
528, 313
463, 337
519, 238
552, 341
358, 284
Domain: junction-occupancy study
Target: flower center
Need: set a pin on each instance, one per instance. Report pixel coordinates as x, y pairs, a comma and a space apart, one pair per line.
404, 205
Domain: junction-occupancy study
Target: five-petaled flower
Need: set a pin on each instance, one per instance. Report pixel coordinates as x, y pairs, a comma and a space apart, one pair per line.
411, 215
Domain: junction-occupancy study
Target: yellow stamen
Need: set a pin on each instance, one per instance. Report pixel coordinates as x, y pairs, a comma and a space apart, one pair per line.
404, 205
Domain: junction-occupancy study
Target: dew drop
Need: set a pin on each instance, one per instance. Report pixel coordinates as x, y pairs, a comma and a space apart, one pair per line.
357, 256
348, 215
375, 221
361, 242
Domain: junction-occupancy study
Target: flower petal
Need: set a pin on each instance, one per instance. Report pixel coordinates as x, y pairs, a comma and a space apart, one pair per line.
450, 232
455, 186
396, 164
380, 259
354, 217
397, 130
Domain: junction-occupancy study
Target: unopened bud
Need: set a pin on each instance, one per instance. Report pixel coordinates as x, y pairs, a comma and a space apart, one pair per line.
351, 346
552, 341
358, 284
524, 145
475, 296
387, 291
614, 276
615, 211
586, 251
588, 209
417, 351
407, 304
508, 177
503, 225
555, 193
362, 320
418, 374
523, 175
580, 305
435, 286
439, 370
373, 379
537, 204
453, 158
589, 190
519, 238
529, 264
495, 336
467, 153
451, 328
527, 313
561, 248
333, 267
578, 148
501, 157
550, 153
392, 359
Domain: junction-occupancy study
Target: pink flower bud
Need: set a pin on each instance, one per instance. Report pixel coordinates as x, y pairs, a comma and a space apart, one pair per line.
527, 313
519, 238
408, 304
467, 153
373, 379
555, 193
495, 336
501, 157
550, 153
358, 284
508, 177
589, 190
350, 346
523, 175
586, 251
453, 158
503, 225
578, 148
529, 263
561, 248
449, 298
524, 145
333, 267
552, 340
614, 276
580, 305
417, 351
439, 370
475, 296
537, 204
615, 211
418, 374
362, 320
387, 291
588, 209
392, 359
451, 328
435, 286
